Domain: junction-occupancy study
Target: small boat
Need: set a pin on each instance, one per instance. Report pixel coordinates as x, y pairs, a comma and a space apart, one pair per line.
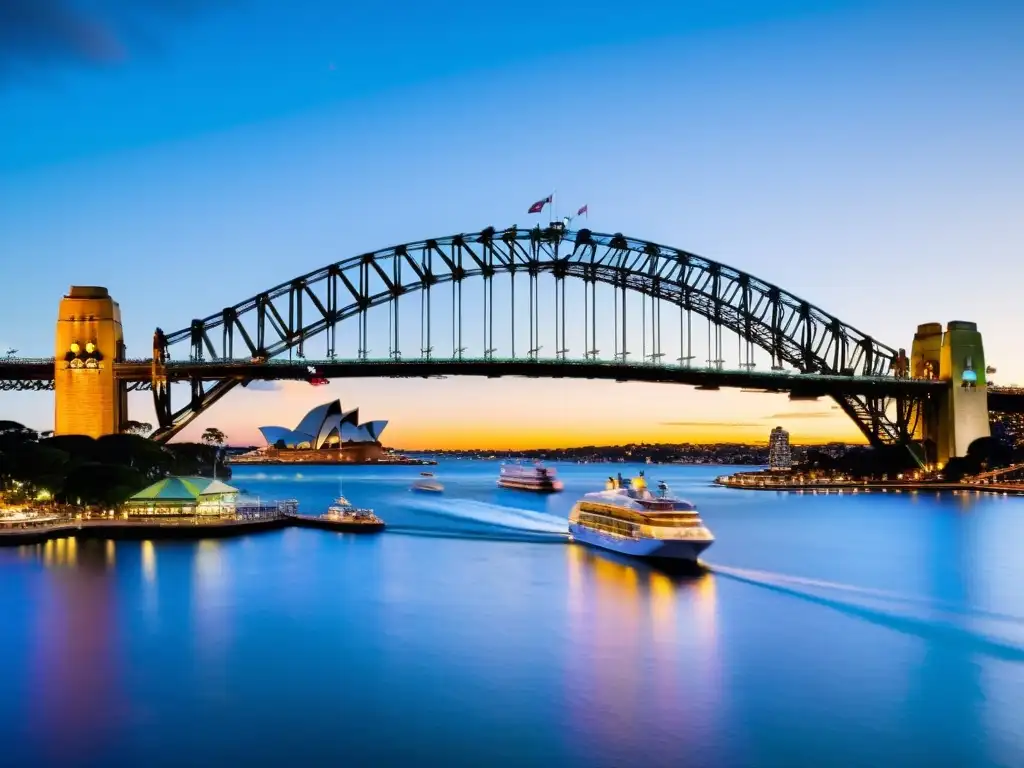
342, 510
536, 478
627, 518
427, 483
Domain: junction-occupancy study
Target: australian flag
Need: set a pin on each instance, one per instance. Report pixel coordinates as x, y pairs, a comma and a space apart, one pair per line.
539, 205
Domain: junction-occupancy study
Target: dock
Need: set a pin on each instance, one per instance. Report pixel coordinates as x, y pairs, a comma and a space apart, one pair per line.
21, 529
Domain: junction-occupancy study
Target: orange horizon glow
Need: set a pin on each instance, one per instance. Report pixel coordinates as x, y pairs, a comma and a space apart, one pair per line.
520, 414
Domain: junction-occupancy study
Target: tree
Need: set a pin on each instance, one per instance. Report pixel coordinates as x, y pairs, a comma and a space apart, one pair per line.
107, 484
213, 436
146, 456
79, 447
13, 435
39, 468
137, 427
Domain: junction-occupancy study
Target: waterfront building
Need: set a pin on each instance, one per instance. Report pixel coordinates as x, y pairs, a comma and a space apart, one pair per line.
780, 456
183, 496
326, 433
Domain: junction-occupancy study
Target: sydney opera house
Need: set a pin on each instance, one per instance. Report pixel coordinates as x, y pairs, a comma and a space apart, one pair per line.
326, 433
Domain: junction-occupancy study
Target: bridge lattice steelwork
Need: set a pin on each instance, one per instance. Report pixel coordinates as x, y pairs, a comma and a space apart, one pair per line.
285, 319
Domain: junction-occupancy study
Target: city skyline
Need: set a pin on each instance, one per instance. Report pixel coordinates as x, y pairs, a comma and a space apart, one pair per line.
858, 182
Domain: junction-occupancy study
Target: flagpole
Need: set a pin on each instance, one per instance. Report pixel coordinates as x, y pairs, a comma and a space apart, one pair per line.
554, 208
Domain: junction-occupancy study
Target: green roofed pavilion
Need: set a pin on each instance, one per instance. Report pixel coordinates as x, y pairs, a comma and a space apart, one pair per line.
183, 496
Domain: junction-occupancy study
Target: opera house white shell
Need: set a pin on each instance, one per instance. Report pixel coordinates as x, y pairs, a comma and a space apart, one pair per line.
326, 426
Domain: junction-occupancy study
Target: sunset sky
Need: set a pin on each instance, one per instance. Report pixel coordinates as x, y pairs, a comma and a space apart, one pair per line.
863, 155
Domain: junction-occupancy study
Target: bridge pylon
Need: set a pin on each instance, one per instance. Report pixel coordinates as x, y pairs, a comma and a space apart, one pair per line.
959, 415
89, 398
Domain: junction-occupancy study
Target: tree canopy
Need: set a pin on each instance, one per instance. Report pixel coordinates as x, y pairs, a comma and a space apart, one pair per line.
77, 469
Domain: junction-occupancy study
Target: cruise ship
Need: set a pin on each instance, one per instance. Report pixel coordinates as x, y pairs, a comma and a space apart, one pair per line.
529, 478
629, 519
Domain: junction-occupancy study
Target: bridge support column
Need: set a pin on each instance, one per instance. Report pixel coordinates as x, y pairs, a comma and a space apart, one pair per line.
960, 414
89, 400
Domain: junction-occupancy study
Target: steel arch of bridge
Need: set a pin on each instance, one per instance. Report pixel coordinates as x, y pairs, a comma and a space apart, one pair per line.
791, 330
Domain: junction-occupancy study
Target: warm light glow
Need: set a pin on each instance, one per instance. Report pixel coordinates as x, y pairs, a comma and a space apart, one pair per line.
516, 413
706, 609
663, 606
616, 579
148, 561
75, 348
90, 347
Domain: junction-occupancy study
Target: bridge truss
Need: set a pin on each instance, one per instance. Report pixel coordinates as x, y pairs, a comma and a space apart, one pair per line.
333, 305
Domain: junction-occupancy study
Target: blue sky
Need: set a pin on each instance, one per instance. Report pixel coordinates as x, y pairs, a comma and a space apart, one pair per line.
863, 155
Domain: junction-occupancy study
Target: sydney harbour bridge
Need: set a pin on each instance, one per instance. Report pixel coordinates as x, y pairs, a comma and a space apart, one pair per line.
541, 302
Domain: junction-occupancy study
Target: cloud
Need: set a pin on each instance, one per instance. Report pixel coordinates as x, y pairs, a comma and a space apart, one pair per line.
265, 386
802, 415
714, 424
36, 33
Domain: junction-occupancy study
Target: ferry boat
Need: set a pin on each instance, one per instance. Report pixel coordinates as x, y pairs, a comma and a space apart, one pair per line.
629, 519
342, 511
427, 483
529, 478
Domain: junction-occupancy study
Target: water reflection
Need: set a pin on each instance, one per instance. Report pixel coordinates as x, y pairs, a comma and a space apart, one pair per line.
643, 651
211, 605
74, 669
148, 561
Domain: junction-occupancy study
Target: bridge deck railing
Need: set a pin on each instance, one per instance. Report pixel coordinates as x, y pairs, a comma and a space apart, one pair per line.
197, 366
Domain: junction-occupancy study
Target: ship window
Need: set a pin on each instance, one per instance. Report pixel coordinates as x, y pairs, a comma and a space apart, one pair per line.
608, 524
674, 521
603, 511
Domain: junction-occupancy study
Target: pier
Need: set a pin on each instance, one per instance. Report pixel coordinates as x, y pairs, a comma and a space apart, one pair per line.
27, 527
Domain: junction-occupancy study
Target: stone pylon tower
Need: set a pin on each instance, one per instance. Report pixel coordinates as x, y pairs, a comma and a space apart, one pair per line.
960, 416
88, 398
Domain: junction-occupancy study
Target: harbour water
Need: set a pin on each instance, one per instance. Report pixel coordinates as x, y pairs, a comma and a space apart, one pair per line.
877, 629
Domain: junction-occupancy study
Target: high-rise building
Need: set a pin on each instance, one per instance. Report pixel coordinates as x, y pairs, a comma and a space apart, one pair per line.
780, 457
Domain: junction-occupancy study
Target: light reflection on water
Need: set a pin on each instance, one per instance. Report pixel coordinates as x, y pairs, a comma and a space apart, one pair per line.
856, 629
630, 624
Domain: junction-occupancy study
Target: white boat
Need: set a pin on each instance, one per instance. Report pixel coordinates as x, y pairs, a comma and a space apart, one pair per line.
627, 518
342, 509
534, 477
427, 483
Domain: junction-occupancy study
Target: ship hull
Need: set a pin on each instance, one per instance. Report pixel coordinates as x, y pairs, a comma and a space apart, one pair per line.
514, 485
667, 550
333, 524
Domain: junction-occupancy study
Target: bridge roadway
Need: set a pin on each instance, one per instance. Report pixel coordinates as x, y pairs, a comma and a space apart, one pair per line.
139, 372
38, 374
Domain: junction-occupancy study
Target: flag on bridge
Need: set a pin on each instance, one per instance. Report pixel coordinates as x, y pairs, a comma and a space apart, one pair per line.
539, 205
582, 211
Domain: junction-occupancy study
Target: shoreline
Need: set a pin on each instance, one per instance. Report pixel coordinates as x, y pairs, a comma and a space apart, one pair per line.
728, 481
187, 529
327, 463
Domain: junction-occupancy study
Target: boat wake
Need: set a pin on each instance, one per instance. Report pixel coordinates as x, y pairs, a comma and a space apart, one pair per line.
958, 626
506, 535
941, 606
496, 515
